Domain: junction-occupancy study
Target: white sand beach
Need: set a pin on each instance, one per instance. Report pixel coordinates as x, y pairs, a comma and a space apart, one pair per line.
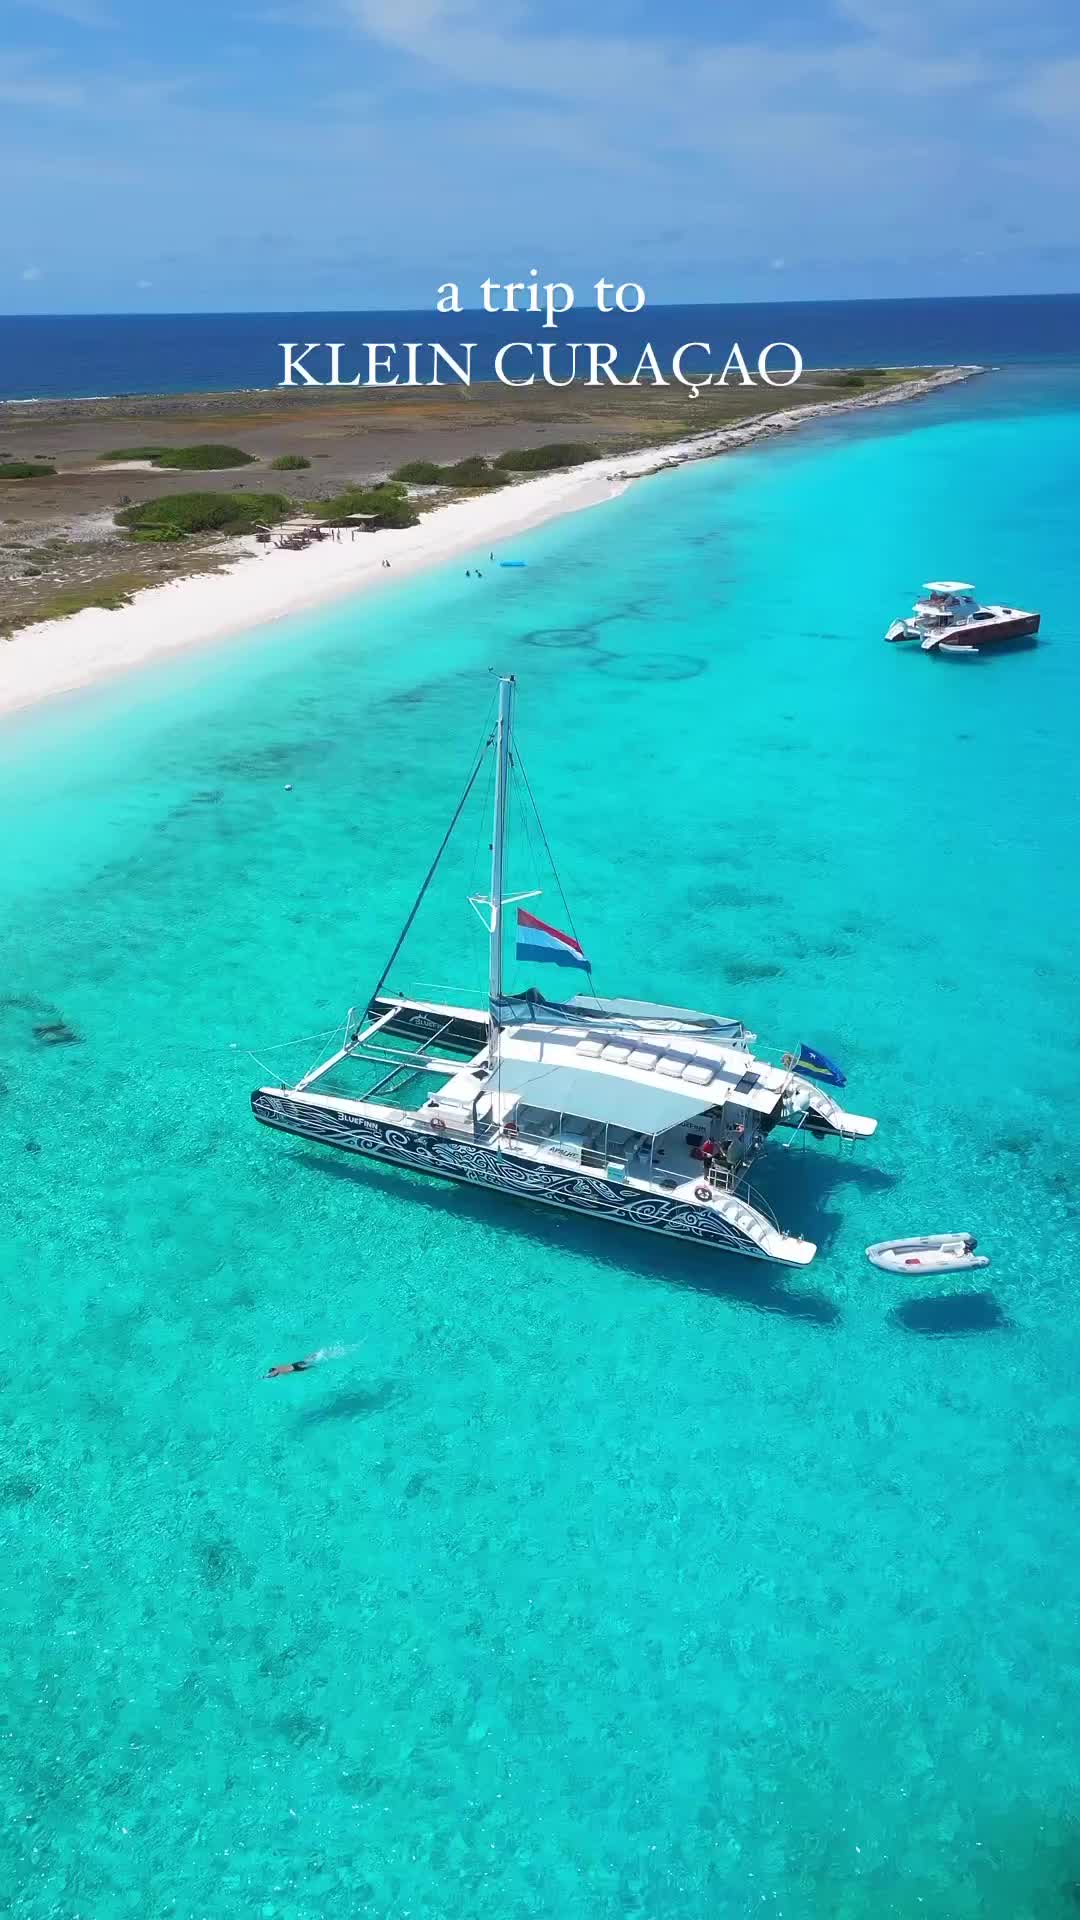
257, 585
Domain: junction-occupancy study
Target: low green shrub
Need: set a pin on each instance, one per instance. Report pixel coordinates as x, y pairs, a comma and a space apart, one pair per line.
205, 513
133, 453
204, 458
473, 472
422, 473
24, 469
290, 462
561, 453
387, 503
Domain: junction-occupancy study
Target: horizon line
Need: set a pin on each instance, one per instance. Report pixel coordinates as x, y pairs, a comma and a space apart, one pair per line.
238, 313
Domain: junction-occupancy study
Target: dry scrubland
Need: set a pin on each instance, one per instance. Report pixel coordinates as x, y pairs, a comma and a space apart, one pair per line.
59, 546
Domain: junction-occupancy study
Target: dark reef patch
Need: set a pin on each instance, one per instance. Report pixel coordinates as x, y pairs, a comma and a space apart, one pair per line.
218, 1562
276, 758
682, 667
56, 1033
725, 898
299, 1729
743, 970
25, 1003
18, 1490
1020, 1144
560, 637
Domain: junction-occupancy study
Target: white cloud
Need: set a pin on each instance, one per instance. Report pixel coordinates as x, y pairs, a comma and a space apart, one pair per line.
31, 273
144, 283
79, 13
844, 155
1051, 93
23, 84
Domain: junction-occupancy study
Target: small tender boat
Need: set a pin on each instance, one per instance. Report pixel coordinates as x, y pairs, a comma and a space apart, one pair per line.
948, 618
928, 1253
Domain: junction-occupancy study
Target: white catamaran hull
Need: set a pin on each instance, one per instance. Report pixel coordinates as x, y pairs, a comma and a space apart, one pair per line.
727, 1223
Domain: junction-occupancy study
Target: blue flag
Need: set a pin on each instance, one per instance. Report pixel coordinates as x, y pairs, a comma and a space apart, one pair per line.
818, 1066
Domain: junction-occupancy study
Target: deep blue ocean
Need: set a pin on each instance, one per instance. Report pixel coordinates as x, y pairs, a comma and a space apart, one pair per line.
49, 357
600, 1579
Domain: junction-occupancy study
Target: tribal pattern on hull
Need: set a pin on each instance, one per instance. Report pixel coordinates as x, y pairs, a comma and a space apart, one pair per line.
481, 1167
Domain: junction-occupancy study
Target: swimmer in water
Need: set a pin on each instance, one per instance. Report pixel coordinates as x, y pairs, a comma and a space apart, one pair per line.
312, 1360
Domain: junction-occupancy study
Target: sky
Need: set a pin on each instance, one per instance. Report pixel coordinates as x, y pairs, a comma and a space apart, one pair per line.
246, 155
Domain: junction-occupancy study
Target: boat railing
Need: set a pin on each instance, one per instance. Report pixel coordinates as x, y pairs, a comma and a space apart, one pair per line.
576, 1153
632, 1166
726, 1182
466, 997
758, 1201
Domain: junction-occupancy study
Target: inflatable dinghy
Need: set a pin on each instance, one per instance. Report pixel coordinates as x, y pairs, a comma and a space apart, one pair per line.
928, 1253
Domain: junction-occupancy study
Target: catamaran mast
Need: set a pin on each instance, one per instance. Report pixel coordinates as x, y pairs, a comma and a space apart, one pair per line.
498, 859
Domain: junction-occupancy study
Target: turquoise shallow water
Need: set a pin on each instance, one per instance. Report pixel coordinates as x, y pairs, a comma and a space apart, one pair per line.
603, 1579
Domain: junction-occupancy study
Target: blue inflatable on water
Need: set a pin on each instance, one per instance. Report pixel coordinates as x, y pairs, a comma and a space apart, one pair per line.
513, 563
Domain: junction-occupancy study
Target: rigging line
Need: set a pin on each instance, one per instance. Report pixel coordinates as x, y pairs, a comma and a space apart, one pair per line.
532, 863
261, 1064
483, 813
430, 874
446, 986
237, 1046
551, 862
344, 1042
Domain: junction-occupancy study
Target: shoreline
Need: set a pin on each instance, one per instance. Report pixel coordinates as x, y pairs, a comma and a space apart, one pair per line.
256, 586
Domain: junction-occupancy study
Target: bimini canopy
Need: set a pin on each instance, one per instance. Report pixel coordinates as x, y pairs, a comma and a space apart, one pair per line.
948, 586
589, 1095
585, 1011
646, 1012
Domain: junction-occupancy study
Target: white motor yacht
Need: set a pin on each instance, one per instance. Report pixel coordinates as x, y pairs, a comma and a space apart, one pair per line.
948, 618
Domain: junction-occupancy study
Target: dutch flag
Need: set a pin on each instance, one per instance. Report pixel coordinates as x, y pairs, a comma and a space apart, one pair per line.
537, 941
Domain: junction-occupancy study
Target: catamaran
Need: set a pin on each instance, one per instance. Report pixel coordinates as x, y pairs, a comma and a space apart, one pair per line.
648, 1115
949, 618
